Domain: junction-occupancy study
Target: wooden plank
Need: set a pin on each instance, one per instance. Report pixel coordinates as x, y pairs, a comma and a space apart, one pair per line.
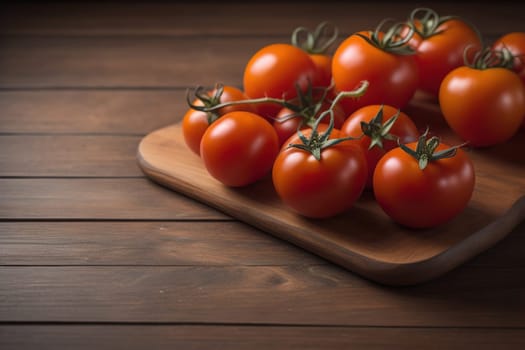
71, 156
180, 18
145, 243
39, 61
90, 111
179, 243
97, 199
288, 295
252, 337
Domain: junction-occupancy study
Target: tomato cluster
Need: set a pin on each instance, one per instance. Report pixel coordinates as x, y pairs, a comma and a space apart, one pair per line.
327, 127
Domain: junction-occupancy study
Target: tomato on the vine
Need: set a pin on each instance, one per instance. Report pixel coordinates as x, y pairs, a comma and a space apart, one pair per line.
287, 121
276, 70
196, 120
380, 58
439, 42
239, 148
378, 129
425, 185
483, 104
320, 177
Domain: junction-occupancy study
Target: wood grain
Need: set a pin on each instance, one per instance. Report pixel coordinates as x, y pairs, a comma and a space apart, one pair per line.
71, 156
97, 199
148, 244
103, 62
121, 112
364, 239
180, 18
202, 337
280, 295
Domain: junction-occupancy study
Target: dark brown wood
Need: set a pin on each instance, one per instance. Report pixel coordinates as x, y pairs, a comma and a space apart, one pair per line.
145, 62
122, 263
96, 199
364, 239
285, 295
149, 244
238, 18
112, 112
252, 337
71, 156
180, 243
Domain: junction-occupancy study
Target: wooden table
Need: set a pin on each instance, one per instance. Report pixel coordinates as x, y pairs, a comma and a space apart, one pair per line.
95, 255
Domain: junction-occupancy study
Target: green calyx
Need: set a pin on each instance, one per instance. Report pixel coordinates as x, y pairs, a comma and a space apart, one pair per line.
490, 58
426, 150
317, 142
378, 131
209, 102
393, 39
426, 21
318, 41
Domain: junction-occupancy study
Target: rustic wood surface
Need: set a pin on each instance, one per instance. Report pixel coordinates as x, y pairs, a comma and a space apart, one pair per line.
95, 255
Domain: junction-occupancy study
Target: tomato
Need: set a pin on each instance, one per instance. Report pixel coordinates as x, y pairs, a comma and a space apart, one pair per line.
287, 122
378, 135
423, 198
317, 44
484, 107
515, 43
195, 122
440, 43
275, 71
239, 148
393, 77
320, 186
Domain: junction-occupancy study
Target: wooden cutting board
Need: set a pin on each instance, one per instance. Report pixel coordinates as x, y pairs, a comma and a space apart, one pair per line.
363, 239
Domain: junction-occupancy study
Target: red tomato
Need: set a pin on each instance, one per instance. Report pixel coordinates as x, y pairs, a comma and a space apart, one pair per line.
393, 77
274, 71
239, 148
287, 122
423, 198
323, 187
440, 43
195, 122
515, 43
483, 106
317, 44
375, 118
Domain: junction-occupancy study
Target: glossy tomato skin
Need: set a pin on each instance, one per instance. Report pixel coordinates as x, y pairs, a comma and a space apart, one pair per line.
320, 189
404, 128
442, 52
239, 148
195, 123
393, 77
323, 69
423, 198
274, 71
483, 107
515, 43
